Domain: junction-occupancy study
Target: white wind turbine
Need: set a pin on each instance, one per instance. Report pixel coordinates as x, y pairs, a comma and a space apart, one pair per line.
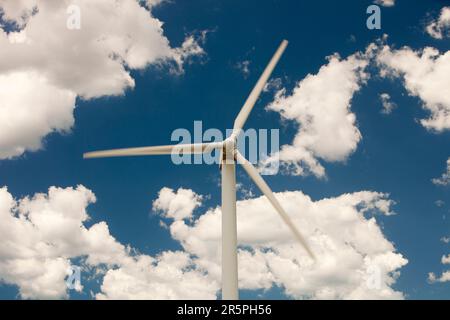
229, 156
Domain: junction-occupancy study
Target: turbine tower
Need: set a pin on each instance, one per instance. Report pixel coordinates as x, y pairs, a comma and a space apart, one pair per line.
229, 157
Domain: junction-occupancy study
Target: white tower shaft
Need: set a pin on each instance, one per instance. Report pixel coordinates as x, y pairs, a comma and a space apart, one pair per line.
229, 232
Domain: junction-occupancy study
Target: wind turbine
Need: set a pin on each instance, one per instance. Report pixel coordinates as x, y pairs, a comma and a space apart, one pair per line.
229, 157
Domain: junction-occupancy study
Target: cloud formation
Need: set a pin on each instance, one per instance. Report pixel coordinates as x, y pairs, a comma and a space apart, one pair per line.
44, 58
445, 276
41, 235
426, 75
320, 104
385, 3
243, 67
443, 180
440, 27
31, 108
355, 260
171, 275
388, 105
177, 205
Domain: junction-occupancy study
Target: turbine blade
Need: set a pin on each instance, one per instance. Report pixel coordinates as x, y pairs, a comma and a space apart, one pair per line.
251, 100
262, 185
158, 150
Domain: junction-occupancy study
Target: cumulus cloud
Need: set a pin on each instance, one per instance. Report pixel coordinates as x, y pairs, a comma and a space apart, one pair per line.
445, 276
52, 64
443, 180
31, 108
385, 3
18, 11
273, 85
177, 205
440, 27
426, 74
388, 105
153, 3
445, 260
41, 235
171, 275
355, 260
320, 105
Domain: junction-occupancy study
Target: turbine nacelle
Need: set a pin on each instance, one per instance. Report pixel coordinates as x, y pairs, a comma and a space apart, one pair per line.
229, 149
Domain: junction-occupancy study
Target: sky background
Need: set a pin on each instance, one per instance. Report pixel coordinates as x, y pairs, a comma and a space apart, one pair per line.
396, 154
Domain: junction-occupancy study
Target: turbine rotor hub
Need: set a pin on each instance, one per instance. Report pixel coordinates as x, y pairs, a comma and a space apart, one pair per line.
229, 148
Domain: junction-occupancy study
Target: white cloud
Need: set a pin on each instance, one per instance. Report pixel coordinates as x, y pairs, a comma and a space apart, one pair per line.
55, 65
444, 180
153, 3
39, 236
440, 28
18, 11
320, 104
273, 84
439, 203
426, 75
177, 205
172, 275
31, 108
388, 105
244, 67
445, 260
327, 127
385, 3
355, 260
445, 277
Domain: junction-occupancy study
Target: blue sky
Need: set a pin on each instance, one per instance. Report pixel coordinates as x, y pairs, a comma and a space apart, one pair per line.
396, 155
